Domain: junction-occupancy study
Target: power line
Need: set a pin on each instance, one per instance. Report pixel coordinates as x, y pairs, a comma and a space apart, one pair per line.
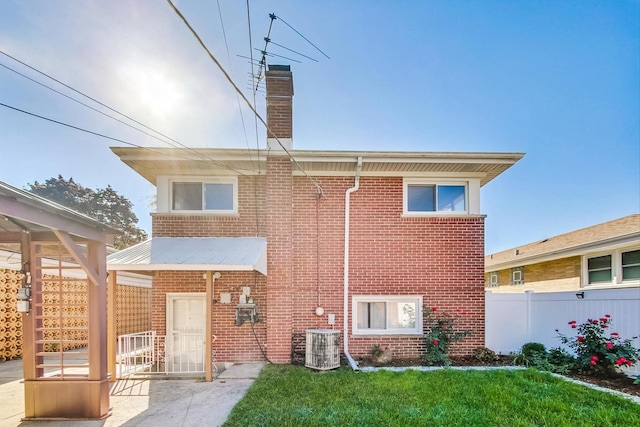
230, 80
202, 156
102, 135
82, 103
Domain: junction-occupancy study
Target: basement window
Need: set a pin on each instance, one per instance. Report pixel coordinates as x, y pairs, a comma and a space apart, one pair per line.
212, 196
517, 276
423, 197
387, 315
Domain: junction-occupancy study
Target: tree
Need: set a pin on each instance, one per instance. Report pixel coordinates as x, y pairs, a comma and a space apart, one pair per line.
103, 204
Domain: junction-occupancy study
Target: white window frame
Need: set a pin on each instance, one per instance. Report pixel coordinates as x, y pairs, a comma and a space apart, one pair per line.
494, 280
233, 180
519, 272
431, 182
386, 299
616, 268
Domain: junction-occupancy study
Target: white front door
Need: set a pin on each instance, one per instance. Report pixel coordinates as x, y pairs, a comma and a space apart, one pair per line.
185, 342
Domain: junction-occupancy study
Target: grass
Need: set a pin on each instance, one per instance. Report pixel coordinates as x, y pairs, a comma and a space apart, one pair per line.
287, 395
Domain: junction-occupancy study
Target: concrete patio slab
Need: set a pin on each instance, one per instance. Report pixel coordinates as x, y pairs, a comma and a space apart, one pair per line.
143, 402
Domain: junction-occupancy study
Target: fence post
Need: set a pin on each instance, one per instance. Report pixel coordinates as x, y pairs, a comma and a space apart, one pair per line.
528, 318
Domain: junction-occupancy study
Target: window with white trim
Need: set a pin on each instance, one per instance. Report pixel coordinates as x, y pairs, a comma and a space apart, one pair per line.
387, 315
427, 197
494, 280
620, 266
517, 276
211, 196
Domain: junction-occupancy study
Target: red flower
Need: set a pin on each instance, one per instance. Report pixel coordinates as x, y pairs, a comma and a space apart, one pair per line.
607, 315
573, 326
435, 342
595, 322
629, 363
593, 362
580, 339
435, 309
604, 326
572, 322
614, 333
594, 357
609, 345
444, 327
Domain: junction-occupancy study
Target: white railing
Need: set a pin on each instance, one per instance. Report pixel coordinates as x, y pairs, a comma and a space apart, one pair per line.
148, 353
514, 319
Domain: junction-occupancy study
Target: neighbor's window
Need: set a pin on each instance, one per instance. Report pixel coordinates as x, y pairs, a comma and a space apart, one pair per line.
600, 269
631, 265
435, 198
616, 267
494, 279
204, 196
517, 276
387, 315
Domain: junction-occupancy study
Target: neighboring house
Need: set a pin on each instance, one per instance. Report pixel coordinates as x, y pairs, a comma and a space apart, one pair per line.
606, 255
355, 241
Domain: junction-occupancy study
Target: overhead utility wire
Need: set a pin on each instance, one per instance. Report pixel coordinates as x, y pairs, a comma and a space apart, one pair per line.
83, 104
230, 80
89, 131
244, 127
273, 16
198, 154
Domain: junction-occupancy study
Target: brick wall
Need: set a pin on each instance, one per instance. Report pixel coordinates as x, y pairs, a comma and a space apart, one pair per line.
558, 275
233, 343
279, 258
440, 258
249, 222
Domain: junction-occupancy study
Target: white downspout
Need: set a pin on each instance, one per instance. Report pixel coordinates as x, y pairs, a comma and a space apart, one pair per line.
347, 198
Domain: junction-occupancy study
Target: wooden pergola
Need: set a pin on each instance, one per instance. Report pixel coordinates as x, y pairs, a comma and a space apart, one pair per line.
53, 240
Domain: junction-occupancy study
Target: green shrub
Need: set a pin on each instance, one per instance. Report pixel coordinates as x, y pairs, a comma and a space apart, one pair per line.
599, 352
441, 333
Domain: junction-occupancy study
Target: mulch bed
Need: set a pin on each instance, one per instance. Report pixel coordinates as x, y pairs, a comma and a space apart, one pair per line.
621, 383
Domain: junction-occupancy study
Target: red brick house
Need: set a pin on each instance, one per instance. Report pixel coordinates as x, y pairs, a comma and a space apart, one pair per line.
353, 240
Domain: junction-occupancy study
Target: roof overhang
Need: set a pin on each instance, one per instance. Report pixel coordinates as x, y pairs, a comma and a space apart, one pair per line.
577, 250
223, 161
193, 254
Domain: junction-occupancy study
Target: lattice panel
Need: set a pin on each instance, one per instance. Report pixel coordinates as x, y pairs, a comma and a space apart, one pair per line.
10, 319
133, 309
74, 312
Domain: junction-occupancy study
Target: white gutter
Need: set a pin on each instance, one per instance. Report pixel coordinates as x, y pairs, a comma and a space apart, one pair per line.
347, 198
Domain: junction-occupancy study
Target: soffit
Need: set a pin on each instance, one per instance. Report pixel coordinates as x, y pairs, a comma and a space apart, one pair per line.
211, 161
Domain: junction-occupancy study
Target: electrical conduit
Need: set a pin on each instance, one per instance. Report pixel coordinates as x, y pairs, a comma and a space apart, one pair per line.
347, 198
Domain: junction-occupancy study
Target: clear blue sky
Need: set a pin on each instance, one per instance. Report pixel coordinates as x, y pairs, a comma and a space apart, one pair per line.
558, 80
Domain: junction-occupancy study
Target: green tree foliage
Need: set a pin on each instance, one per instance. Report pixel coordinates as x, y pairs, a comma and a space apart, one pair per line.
102, 204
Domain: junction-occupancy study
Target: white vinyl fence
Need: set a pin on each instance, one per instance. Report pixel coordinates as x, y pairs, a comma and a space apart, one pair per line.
514, 319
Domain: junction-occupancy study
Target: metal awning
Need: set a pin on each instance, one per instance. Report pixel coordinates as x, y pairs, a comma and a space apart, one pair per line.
193, 253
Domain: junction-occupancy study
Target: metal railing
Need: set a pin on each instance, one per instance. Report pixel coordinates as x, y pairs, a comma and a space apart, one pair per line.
183, 352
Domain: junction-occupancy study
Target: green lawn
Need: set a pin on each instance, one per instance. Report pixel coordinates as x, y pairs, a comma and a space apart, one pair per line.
286, 395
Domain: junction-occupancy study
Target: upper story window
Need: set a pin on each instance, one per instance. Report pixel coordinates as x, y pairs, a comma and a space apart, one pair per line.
615, 267
421, 197
211, 196
387, 315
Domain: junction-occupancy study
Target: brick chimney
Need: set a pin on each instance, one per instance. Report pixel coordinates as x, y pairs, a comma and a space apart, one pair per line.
279, 106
